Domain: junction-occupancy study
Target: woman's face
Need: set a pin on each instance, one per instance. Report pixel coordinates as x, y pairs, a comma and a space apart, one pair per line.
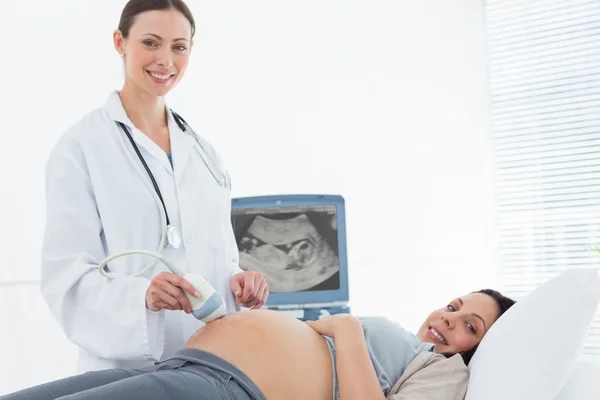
461, 325
157, 51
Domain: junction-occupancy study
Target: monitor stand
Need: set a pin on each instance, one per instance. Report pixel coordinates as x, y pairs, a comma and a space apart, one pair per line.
314, 313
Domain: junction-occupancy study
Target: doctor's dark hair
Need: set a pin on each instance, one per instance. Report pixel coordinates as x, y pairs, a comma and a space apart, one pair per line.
135, 7
503, 303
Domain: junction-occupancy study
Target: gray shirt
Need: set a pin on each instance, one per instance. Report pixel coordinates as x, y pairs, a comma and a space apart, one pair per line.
391, 348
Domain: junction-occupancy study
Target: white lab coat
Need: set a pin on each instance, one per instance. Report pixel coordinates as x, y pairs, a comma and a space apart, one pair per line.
97, 205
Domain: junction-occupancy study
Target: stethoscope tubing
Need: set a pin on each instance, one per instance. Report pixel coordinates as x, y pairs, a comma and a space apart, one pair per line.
156, 187
156, 193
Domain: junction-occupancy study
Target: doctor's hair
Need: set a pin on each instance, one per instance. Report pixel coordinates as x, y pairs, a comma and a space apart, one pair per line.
135, 7
503, 303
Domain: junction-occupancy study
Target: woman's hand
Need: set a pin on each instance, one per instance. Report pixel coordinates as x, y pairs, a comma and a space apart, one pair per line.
250, 289
166, 292
331, 325
356, 374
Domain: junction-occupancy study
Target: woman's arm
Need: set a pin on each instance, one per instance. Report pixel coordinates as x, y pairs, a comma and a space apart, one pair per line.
355, 371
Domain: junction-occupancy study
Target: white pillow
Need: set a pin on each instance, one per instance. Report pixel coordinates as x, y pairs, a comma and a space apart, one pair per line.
530, 351
583, 382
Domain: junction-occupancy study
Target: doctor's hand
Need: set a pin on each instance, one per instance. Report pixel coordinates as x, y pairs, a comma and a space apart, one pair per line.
166, 292
250, 289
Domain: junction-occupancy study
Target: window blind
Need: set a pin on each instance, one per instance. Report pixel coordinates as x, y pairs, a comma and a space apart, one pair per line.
544, 66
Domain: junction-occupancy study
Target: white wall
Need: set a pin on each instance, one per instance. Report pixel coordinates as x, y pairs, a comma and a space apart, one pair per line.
384, 102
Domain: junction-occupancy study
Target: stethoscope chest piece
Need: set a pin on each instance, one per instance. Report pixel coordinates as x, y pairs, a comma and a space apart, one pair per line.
173, 237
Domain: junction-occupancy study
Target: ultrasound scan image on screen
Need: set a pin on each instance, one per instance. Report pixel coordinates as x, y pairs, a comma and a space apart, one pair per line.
295, 248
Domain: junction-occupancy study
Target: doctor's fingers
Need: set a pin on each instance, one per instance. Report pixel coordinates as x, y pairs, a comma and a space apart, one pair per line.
262, 295
154, 302
163, 289
182, 283
251, 282
259, 298
174, 296
157, 299
164, 306
248, 291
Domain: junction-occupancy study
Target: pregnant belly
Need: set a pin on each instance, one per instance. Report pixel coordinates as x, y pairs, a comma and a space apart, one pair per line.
283, 356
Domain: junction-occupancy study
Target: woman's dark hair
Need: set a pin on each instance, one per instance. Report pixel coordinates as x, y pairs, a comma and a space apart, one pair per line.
135, 7
503, 303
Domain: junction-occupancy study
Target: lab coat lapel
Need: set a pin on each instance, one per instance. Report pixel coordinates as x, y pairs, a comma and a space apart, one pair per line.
117, 113
152, 148
182, 146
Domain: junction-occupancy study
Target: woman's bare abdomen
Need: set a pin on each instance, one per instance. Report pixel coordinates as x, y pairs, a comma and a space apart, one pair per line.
283, 356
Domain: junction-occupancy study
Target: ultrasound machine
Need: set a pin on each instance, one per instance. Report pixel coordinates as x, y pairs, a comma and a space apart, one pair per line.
298, 244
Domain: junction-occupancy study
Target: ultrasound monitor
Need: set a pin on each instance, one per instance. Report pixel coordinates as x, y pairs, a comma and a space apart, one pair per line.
298, 243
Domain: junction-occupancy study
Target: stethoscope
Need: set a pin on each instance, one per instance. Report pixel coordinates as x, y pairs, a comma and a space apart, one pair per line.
170, 235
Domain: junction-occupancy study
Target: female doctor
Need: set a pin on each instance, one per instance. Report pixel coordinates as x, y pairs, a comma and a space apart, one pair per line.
133, 175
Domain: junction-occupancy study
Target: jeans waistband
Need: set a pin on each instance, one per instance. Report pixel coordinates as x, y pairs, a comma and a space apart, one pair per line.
210, 360
331, 344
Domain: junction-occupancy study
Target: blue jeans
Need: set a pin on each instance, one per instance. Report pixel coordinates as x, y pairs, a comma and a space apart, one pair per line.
190, 374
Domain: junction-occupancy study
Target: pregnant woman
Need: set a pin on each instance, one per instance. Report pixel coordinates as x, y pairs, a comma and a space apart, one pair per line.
262, 354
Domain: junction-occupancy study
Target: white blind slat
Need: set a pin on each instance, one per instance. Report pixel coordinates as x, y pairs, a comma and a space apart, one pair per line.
531, 12
543, 121
535, 207
551, 166
544, 73
551, 146
570, 68
550, 219
541, 158
535, 69
545, 61
552, 192
576, 243
551, 42
518, 143
566, 21
535, 94
563, 224
550, 130
577, 43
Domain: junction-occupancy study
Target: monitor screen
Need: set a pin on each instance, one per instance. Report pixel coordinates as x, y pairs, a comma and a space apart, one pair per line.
294, 247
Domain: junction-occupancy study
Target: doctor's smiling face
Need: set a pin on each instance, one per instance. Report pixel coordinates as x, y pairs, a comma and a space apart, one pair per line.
155, 45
